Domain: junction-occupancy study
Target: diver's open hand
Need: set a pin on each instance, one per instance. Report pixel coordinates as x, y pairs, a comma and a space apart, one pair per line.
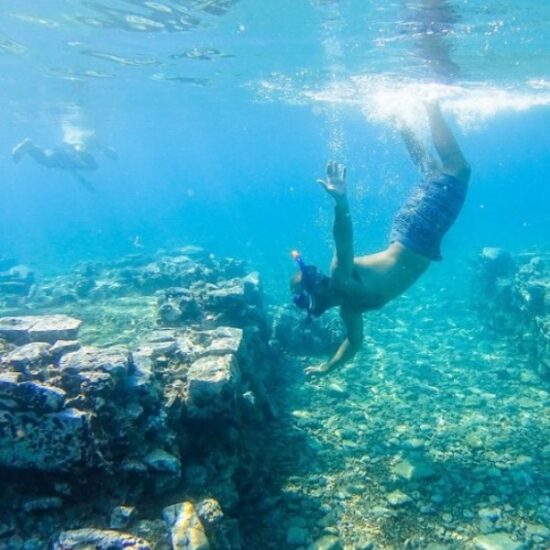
318, 370
335, 184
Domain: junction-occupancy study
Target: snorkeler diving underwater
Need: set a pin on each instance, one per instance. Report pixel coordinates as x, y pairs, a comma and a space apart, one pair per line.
275, 275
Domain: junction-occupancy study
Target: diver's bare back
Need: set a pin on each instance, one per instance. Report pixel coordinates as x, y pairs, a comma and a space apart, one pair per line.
379, 278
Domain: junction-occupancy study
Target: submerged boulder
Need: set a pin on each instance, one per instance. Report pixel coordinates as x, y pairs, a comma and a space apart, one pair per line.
28, 354
186, 529
212, 385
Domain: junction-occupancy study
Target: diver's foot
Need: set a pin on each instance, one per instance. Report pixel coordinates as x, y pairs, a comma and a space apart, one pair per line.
20, 149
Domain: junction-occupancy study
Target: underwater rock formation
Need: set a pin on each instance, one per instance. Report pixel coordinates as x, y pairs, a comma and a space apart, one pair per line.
165, 418
512, 295
292, 332
16, 281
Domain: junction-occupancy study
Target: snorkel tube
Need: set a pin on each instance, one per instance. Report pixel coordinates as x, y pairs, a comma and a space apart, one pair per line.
298, 259
303, 299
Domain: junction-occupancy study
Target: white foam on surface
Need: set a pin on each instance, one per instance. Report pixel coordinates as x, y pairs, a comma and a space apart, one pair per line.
387, 99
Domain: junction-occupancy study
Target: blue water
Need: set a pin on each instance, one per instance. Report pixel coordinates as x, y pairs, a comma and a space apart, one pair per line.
225, 164
223, 113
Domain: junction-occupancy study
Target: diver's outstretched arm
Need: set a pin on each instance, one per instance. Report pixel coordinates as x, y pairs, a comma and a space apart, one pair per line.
418, 153
353, 322
335, 186
452, 160
27, 147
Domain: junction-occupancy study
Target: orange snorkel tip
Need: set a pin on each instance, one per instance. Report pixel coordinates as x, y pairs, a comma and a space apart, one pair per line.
298, 259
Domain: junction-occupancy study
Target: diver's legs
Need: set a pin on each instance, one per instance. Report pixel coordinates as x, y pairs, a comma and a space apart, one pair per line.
42, 156
20, 149
88, 185
452, 159
418, 153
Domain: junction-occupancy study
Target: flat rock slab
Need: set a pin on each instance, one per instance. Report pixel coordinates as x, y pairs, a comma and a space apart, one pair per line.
496, 541
218, 341
54, 442
39, 328
113, 361
99, 539
64, 346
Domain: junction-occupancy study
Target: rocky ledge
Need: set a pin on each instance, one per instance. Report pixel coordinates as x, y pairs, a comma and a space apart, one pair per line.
135, 446
512, 295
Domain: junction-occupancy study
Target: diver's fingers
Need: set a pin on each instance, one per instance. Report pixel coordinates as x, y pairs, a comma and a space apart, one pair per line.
329, 169
344, 172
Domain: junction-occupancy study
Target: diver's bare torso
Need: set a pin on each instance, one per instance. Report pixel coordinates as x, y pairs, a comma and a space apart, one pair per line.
378, 278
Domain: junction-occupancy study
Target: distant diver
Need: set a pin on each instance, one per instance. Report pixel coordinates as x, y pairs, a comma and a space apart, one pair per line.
74, 158
359, 284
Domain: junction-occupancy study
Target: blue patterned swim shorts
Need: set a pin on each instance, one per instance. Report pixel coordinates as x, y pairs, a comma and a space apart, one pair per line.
428, 214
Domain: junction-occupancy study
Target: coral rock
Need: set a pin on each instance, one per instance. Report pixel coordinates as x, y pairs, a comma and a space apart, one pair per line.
186, 530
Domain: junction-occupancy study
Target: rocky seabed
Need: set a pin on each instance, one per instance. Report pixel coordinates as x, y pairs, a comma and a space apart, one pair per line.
157, 402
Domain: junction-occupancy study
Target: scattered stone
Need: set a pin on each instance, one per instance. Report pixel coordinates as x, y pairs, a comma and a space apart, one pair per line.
186, 530
413, 471
44, 503
99, 539
489, 514
496, 541
397, 498
161, 461
337, 390
538, 530
121, 517
328, 542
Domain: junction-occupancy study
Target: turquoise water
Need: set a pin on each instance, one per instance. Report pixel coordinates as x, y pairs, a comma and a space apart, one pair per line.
222, 115
233, 116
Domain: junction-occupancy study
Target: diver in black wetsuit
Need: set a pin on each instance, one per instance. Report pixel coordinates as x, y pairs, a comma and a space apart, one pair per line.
74, 158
